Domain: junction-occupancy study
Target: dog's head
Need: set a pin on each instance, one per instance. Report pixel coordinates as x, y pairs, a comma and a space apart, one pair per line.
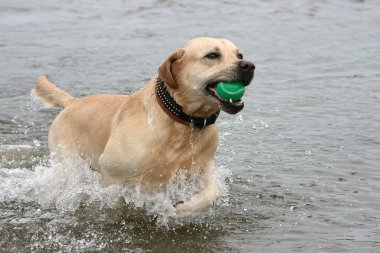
192, 73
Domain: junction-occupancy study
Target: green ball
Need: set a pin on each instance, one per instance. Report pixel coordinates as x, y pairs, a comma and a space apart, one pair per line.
230, 91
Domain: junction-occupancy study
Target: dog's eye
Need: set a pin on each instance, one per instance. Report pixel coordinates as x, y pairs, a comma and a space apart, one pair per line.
240, 56
213, 56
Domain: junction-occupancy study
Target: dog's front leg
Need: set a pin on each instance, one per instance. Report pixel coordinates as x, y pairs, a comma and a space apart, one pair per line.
207, 196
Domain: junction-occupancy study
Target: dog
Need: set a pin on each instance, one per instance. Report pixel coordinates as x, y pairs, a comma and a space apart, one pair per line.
166, 126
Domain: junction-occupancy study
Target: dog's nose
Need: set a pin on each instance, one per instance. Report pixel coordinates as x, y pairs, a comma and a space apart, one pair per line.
247, 66
246, 69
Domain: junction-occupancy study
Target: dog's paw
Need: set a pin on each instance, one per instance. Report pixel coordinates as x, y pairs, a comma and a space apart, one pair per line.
184, 209
179, 202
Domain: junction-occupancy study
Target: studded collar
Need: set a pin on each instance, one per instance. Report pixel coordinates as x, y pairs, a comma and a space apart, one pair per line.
175, 111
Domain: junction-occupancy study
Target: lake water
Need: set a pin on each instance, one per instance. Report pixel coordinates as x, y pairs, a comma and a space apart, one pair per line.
299, 167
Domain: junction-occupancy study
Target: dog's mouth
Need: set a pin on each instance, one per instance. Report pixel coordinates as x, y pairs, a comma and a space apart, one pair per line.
229, 106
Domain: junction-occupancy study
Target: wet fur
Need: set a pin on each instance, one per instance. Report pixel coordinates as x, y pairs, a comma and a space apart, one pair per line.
131, 139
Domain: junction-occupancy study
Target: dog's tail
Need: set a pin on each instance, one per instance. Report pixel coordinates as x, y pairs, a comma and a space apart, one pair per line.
51, 95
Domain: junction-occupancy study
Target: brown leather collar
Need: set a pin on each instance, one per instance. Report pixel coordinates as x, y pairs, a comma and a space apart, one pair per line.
175, 111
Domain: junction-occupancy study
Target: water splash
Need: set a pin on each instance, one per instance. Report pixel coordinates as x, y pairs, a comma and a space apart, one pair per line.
67, 188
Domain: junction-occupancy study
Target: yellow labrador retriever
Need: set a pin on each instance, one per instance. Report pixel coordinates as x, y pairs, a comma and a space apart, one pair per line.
166, 126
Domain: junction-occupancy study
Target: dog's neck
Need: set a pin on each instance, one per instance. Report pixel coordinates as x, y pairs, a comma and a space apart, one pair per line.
175, 111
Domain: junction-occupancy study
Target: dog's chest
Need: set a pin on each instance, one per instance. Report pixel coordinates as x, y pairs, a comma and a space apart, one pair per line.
184, 151
154, 157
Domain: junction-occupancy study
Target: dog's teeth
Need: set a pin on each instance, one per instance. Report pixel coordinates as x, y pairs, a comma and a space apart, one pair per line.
230, 100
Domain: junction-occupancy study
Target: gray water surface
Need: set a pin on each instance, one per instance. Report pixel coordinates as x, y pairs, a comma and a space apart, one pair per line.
299, 167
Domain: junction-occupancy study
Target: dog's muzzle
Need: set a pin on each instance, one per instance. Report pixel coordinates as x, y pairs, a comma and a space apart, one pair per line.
244, 72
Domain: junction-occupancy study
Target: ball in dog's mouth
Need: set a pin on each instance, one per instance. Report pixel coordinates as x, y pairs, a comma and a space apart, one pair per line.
228, 94
231, 92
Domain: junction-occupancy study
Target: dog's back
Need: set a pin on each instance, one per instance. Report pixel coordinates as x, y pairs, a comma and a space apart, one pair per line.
84, 124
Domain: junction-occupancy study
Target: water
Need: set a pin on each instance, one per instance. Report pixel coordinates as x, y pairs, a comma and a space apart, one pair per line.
299, 167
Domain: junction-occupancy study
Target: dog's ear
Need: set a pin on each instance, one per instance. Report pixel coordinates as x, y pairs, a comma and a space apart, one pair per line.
165, 70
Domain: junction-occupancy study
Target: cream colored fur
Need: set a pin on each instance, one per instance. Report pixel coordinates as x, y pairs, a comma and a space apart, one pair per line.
51, 95
130, 139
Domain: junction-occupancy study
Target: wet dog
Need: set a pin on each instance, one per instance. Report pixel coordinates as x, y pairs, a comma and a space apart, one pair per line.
166, 126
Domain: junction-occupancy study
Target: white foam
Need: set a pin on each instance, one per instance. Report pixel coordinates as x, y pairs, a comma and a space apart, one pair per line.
16, 147
65, 188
